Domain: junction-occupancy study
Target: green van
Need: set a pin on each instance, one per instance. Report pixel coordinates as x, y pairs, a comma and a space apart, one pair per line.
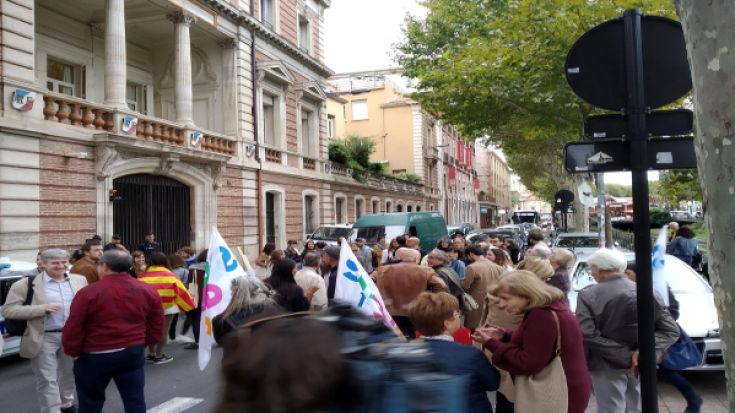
430, 227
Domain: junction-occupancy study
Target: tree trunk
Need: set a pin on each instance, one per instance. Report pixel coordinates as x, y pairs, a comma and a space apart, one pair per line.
710, 37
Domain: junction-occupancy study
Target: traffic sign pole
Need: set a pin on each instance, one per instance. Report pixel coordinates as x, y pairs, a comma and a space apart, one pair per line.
636, 111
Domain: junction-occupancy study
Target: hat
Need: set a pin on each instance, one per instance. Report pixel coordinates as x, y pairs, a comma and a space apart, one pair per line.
332, 251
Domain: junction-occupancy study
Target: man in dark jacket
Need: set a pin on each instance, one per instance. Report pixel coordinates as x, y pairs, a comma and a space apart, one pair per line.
109, 325
149, 246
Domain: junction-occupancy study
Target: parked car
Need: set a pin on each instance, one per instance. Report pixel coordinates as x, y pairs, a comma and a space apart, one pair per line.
331, 233
505, 233
526, 216
430, 227
520, 231
463, 229
8, 275
698, 316
581, 243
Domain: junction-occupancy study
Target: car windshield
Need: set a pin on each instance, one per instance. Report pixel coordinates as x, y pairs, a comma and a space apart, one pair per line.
582, 277
679, 276
371, 234
578, 242
331, 233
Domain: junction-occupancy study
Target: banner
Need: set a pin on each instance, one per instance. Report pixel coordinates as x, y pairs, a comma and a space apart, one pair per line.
658, 259
222, 268
355, 287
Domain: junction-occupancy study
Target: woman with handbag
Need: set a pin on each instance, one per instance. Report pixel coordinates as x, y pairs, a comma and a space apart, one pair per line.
545, 354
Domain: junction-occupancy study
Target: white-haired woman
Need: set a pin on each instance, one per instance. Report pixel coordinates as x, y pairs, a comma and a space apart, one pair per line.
250, 297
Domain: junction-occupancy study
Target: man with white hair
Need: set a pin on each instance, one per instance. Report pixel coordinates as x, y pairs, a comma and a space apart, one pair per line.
400, 283
608, 317
540, 250
52, 292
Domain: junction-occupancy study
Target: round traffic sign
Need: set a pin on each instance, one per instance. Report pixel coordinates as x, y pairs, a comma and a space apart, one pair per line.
595, 65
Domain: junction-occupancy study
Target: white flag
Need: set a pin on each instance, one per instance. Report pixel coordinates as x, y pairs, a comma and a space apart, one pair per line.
658, 259
222, 268
355, 287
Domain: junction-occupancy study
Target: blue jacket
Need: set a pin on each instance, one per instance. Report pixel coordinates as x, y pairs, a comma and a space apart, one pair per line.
683, 248
461, 359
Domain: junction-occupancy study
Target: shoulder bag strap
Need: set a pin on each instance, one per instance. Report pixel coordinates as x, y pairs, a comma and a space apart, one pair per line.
558, 333
450, 275
29, 292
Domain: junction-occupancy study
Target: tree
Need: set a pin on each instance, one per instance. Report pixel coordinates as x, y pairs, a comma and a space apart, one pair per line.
618, 190
496, 68
708, 25
676, 186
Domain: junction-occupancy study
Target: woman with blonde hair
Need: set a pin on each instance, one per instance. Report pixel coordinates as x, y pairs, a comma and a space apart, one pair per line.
539, 266
532, 346
562, 261
139, 264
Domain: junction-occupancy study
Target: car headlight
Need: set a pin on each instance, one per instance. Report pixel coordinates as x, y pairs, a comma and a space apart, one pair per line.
714, 330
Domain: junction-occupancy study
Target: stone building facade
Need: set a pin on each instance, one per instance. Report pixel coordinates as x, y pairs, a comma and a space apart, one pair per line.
125, 116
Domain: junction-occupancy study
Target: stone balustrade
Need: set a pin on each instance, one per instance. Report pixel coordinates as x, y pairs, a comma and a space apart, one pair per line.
219, 144
309, 163
375, 181
273, 155
77, 112
160, 131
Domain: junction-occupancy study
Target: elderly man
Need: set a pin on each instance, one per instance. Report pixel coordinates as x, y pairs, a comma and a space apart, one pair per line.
365, 255
478, 277
53, 291
440, 262
400, 283
87, 265
540, 250
673, 229
307, 277
607, 314
110, 324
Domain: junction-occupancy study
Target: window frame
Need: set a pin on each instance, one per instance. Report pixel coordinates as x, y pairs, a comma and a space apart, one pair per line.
78, 72
352, 110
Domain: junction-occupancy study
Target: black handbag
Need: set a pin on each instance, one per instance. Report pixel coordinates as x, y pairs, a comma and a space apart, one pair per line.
18, 327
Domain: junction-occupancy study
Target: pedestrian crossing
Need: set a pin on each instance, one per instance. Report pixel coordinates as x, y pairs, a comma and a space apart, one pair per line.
175, 405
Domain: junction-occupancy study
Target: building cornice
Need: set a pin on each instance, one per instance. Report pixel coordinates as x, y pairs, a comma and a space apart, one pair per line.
253, 24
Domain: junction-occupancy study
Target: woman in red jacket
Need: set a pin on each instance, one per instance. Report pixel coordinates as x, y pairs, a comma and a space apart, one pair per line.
531, 346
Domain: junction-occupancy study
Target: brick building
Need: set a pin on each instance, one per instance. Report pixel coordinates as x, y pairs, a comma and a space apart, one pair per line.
124, 116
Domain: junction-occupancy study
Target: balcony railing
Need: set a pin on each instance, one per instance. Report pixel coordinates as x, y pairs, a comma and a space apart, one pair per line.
77, 112
273, 155
219, 144
373, 180
159, 131
309, 163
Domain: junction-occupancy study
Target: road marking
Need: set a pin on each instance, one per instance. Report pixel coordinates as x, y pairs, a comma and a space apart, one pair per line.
175, 405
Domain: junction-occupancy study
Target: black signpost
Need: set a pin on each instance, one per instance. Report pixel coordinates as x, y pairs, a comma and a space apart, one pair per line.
632, 65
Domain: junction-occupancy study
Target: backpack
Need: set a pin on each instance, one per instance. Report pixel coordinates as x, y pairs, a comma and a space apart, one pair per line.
18, 327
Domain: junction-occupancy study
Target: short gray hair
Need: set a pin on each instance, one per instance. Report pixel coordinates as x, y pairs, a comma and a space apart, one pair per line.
441, 255
117, 260
311, 259
54, 254
608, 260
540, 250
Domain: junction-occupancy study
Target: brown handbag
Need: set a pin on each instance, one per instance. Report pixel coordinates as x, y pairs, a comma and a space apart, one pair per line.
545, 391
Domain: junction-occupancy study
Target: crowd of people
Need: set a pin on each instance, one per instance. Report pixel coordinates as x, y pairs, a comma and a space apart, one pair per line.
491, 310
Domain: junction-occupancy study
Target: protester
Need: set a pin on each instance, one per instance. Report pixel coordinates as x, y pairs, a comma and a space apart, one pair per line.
283, 365
53, 291
174, 298
535, 237
497, 241
502, 259
684, 246
195, 287
607, 314
378, 253
478, 278
540, 250
400, 283
389, 254
288, 294
178, 267
693, 399
262, 263
365, 255
139, 264
455, 261
437, 317
307, 277
330, 264
310, 246
115, 243
540, 267
673, 229
87, 264
561, 261
250, 297
438, 260
514, 250
529, 349
149, 246
444, 244
36, 271
292, 251
187, 253
109, 326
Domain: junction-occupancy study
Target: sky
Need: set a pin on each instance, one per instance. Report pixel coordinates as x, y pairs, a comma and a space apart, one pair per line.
359, 36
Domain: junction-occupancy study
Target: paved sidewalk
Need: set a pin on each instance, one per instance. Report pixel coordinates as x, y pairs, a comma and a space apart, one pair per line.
710, 385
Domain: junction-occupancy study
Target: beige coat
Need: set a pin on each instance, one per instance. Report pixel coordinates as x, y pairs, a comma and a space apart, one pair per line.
35, 313
478, 278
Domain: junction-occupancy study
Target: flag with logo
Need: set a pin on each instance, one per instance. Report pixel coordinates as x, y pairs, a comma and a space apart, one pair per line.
658, 259
355, 286
222, 267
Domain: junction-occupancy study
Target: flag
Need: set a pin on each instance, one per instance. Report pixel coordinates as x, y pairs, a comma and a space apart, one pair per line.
658, 259
355, 287
222, 268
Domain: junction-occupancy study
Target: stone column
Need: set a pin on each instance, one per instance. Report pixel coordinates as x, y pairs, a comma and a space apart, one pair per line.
229, 85
115, 55
182, 68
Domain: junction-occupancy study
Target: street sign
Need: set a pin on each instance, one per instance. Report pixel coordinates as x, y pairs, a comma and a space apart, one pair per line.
671, 153
598, 156
595, 66
678, 122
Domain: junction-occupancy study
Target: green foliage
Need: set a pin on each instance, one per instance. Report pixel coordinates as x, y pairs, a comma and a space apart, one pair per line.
496, 68
676, 186
659, 217
360, 148
408, 176
338, 151
379, 168
619, 190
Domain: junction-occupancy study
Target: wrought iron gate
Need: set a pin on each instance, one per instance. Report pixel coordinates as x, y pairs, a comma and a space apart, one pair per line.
152, 203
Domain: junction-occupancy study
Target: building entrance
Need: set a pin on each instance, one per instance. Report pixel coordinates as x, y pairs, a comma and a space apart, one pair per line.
155, 203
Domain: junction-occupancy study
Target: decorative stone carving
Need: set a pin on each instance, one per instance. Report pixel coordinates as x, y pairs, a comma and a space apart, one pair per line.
181, 17
227, 43
105, 156
97, 29
167, 163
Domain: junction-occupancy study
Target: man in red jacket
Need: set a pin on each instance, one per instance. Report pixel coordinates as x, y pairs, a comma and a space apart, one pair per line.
109, 325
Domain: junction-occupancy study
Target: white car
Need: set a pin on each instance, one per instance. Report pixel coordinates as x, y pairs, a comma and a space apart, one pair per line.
9, 275
698, 315
331, 233
580, 243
